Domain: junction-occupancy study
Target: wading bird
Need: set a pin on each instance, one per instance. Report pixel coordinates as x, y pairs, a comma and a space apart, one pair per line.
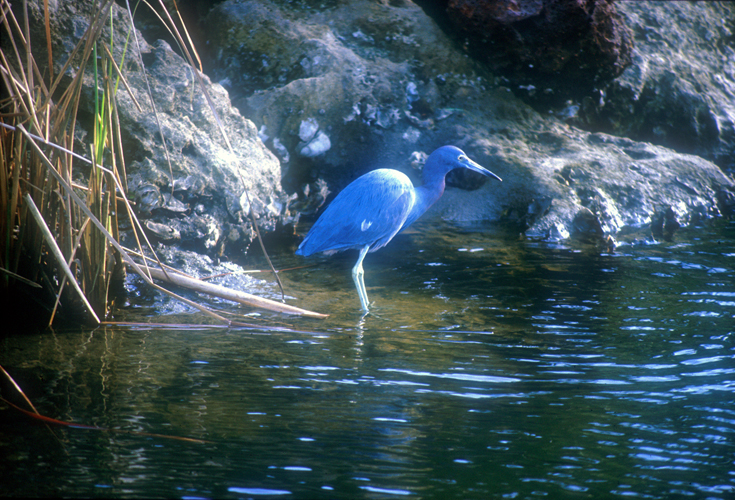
375, 207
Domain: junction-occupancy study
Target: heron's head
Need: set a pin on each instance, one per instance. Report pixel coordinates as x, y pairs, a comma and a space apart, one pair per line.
447, 158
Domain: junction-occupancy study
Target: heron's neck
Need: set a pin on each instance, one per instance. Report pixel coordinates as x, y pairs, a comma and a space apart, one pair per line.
428, 193
426, 196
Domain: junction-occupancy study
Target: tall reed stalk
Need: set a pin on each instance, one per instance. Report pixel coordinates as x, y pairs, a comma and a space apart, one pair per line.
44, 102
59, 218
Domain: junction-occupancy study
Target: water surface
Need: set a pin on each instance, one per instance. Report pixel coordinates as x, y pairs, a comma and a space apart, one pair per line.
490, 367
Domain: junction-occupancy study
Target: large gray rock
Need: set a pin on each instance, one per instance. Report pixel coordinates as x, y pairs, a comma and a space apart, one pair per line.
349, 72
193, 196
347, 87
680, 90
208, 209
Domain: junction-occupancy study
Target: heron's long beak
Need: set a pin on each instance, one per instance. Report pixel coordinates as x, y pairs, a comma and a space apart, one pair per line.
479, 169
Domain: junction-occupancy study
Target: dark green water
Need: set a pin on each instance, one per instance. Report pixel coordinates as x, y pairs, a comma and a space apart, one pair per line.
490, 368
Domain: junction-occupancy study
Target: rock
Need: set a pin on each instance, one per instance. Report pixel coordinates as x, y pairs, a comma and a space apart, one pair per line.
387, 86
555, 50
162, 232
622, 183
346, 68
664, 224
199, 170
345, 87
223, 273
205, 171
680, 90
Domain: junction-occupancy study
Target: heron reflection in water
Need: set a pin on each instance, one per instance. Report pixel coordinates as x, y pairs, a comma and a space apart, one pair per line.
375, 207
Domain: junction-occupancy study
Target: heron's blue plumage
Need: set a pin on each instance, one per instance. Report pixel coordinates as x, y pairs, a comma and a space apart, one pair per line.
371, 210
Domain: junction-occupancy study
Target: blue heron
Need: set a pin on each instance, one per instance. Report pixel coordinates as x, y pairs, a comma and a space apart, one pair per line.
375, 207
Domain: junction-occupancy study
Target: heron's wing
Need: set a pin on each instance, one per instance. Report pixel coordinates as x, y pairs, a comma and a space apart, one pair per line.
381, 221
370, 211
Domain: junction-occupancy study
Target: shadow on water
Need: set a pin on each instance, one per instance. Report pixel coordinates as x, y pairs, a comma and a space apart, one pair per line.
489, 367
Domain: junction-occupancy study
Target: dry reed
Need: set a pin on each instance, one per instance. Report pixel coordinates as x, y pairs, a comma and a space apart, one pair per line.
53, 229
37, 102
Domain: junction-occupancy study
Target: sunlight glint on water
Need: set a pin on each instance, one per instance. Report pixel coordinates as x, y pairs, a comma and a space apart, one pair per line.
488, 368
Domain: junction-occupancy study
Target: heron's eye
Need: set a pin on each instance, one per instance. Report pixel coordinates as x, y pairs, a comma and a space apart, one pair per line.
461, 158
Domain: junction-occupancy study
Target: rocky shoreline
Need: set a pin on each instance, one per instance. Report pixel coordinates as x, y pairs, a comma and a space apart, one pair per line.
314, 94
